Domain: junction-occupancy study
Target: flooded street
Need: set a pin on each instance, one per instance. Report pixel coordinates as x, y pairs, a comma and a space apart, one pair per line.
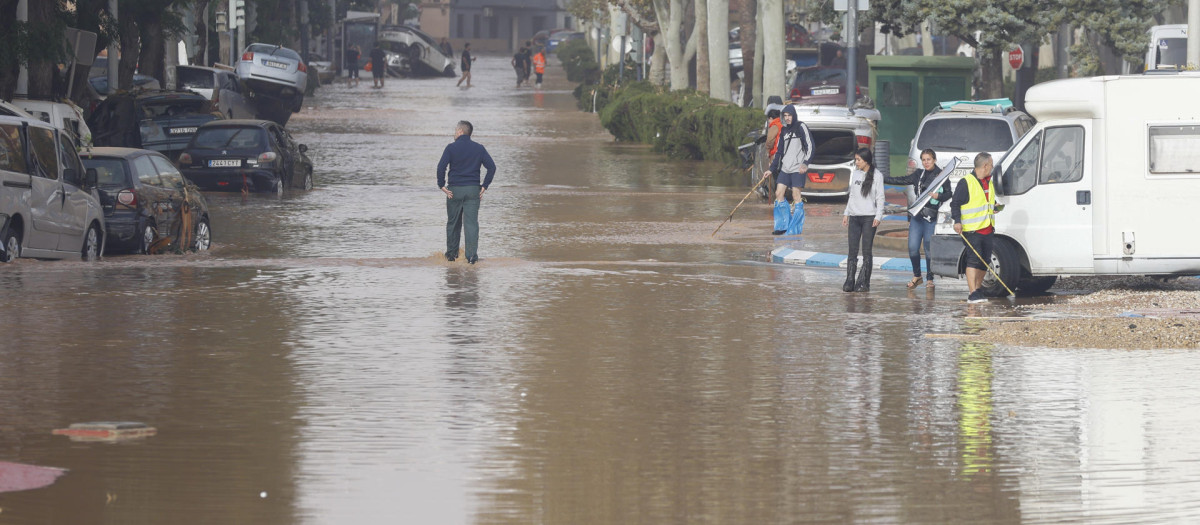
606, 361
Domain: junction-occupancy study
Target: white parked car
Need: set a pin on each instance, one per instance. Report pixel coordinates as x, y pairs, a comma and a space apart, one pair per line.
62, 115
49, 207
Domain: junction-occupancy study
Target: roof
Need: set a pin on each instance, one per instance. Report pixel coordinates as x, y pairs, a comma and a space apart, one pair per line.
233, 123
31, 120
124, 153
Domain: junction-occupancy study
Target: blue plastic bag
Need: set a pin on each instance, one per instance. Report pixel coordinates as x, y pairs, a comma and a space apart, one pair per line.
796, 222
782, 217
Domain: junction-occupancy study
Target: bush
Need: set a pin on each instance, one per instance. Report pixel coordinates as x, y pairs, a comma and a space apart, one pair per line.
580, 61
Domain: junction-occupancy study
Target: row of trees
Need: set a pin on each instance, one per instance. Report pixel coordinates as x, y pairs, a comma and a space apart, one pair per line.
141, 28
687, 29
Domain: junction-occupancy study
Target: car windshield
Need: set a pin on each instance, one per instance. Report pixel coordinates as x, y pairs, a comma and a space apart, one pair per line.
822, 74
170, 107
110, 173
231, 138
281, 52
965, 134
194, 78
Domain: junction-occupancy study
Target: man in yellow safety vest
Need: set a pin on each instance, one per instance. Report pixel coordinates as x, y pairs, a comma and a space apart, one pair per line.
973, 209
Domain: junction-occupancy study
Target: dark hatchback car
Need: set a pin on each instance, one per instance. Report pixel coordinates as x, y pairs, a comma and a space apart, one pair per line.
146, 200
246, 155
163, 121
820, 85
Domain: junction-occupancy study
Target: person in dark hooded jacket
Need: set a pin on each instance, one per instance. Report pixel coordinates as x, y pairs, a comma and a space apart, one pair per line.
792, 155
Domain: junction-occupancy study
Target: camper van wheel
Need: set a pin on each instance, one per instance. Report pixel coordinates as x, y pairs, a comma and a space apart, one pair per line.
1005, 263
1036, 285
12, 246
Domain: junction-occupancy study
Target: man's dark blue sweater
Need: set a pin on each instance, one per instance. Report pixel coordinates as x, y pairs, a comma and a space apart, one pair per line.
464, 157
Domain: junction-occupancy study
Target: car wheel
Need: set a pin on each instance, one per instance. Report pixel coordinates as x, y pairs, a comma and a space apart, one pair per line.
146, 239
308, 180
12, 246
203, 236
1006, 264
91, 244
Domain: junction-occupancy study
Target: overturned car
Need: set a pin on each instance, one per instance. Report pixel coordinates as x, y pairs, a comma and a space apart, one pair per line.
419, 54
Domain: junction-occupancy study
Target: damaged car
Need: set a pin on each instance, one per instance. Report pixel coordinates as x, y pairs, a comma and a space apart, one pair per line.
246, 155
162, 121
418, 53
276, 77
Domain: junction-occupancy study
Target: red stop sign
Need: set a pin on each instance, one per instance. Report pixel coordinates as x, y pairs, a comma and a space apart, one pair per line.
1016, 58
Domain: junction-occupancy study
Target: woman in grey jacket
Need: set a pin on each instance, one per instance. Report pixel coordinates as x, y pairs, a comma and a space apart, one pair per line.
864, 210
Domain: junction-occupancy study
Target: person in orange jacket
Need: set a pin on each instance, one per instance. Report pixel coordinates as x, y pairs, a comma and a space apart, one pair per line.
539, 65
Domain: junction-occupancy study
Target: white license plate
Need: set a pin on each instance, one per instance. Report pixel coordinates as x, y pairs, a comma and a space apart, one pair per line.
182, 131
961, 172
225, 163
274, 64
826, 91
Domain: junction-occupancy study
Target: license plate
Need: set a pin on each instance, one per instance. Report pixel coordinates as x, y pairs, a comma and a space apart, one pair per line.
826, 91
225, 163
182, 131
961, 172
274, 64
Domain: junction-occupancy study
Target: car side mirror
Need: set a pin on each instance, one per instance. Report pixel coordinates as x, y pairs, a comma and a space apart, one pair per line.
90, 178
303, 148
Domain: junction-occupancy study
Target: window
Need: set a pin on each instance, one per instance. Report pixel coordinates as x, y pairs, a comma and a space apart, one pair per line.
110, 173
12, 153
897, 94
170, 176
1174, 150
478, 24
493, 27
1062, 156
1023, 125
965, 134
194, 78
44, 153
143, 167
69, 157
1021, 176
460, 23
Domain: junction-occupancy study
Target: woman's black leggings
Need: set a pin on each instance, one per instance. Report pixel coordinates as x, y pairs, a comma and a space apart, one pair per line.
862, 232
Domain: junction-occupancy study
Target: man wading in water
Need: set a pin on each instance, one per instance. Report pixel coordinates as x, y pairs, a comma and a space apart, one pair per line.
464, 158
790, 162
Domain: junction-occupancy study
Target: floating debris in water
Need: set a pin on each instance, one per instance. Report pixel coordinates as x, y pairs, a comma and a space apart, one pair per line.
106, 431
17, 476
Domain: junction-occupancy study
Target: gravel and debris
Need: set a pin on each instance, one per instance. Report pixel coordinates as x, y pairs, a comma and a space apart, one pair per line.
1110, 313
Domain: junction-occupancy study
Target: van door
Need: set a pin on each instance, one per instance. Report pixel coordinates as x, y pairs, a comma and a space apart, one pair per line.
1046, 189
46, 196
75, 198
231, 90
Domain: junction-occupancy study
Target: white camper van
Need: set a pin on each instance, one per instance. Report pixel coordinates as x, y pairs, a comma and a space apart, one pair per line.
1104, 184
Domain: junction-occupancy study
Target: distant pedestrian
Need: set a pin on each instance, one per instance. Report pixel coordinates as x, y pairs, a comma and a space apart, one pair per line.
466, 65
790, 164
921, 224
973, 209
447, 49
378, 67
839, 60
539, 65
352, 55
518, 63
463, 158
864, 210
527, 62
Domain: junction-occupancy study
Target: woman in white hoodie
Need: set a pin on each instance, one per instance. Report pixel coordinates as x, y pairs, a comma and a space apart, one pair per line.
864, 210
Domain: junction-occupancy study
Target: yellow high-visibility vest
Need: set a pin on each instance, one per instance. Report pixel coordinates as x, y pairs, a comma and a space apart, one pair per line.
979, 211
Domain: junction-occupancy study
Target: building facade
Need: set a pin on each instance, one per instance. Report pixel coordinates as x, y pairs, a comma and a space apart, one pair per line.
492, 25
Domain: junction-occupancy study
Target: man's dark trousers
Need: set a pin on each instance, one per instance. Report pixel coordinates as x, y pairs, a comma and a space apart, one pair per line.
462, 212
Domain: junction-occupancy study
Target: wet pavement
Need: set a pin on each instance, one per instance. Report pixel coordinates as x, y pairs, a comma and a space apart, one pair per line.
607, 361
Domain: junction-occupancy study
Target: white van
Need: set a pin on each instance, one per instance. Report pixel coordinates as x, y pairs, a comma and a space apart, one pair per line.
49, 207
1168, 47
64, 116
1104, 184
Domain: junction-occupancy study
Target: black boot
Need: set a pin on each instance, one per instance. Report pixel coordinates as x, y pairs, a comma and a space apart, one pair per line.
864, 277
851, 266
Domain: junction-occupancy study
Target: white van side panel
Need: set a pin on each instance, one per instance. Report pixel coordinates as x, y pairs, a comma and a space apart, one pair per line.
1154, 211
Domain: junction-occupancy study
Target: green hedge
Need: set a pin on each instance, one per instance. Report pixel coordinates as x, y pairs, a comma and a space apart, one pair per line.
682, 124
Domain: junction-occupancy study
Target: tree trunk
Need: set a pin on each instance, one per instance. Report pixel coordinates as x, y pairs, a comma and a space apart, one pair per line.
150, 60
759, 54
773, 49
749, 35
991, 67
10, 66
678, 53
866, 46
41, 73
130, 49
658, 62
926, 37
700, 31
718, 49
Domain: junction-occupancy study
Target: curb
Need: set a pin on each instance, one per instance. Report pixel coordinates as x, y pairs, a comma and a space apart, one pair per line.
833, 260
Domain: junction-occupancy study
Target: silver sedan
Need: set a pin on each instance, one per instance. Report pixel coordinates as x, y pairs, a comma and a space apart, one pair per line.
274, 71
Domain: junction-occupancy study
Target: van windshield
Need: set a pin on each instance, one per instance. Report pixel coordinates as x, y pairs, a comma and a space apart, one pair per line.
965, 134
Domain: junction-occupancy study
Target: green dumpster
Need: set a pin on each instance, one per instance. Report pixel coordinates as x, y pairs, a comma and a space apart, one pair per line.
906, 88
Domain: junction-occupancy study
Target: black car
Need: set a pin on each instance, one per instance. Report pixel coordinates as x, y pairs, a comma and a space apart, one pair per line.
159, 120
148, 205
246, 155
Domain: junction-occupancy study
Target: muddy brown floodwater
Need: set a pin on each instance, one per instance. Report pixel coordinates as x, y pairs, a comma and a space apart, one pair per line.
606, 362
